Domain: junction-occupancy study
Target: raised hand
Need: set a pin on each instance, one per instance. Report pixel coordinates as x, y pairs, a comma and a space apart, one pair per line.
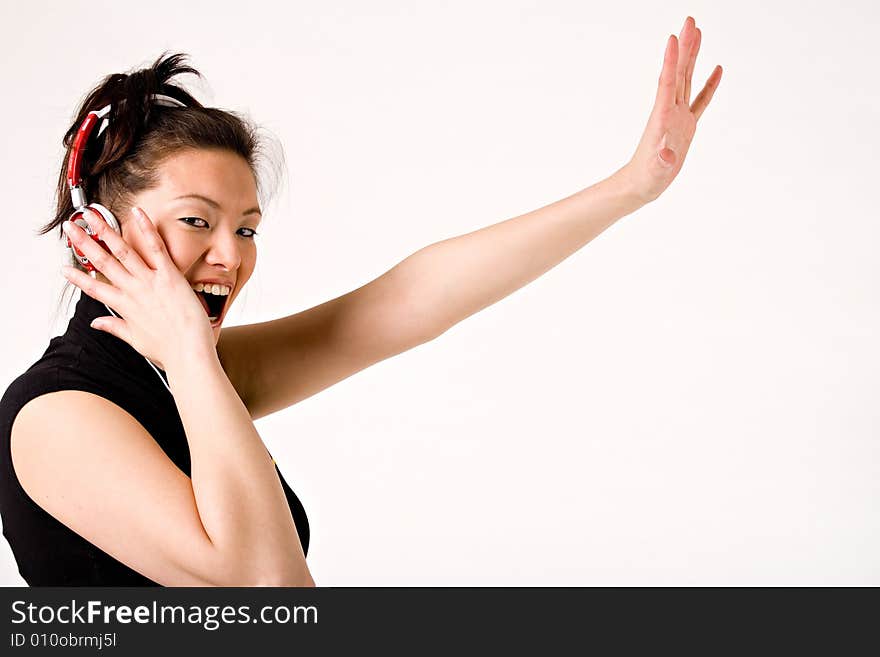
673, 121
161, 317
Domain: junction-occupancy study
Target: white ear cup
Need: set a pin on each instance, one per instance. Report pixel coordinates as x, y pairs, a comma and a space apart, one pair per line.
79, 260
108, 216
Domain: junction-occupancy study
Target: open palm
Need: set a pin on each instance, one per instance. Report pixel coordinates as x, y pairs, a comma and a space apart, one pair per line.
673, 121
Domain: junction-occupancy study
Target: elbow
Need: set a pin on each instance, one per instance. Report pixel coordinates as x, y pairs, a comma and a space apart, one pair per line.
415, 315
292, 575
300, 577
305, 581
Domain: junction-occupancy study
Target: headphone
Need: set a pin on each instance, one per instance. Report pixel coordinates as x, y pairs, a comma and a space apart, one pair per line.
74, 179
78, 195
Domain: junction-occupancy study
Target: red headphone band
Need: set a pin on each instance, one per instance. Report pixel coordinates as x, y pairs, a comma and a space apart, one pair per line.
74, 162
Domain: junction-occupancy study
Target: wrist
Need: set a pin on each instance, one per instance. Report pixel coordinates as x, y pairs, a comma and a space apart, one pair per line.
627, 188
193, 361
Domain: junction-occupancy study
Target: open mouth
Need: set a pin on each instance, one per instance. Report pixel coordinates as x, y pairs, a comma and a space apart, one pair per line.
214, 304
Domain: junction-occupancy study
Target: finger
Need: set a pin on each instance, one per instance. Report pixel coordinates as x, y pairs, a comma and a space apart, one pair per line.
666, 88
689, 72
104, 262
103, 292
702, 100
686, 39
156, 254
123, 251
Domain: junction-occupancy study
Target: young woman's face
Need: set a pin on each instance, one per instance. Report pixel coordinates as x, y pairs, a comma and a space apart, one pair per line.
208, 238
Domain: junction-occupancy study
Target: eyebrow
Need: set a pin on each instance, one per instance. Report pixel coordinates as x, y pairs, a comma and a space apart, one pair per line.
214, 204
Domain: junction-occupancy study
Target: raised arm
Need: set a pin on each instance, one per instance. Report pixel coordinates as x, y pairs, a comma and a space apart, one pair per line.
275, 364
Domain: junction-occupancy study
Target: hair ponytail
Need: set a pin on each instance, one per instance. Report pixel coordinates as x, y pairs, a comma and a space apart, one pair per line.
131, 109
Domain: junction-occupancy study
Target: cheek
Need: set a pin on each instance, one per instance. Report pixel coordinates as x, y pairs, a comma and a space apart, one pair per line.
247, 266
136, 240
249, 252
178, 252
182, 252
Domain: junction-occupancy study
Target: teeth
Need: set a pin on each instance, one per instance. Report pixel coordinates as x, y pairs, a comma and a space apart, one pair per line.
220, 290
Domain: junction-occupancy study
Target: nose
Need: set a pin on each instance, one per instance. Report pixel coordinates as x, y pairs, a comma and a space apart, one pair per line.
224, 251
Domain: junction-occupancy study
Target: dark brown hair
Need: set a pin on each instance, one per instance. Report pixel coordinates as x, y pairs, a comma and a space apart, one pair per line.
124, 159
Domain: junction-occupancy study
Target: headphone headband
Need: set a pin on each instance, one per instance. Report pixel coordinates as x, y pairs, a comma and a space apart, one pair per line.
74, 163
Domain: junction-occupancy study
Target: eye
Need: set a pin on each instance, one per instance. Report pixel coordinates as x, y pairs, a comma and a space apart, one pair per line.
250, 234
188, 219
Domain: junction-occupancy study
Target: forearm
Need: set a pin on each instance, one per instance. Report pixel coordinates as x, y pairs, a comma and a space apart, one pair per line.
237, 491
457, 277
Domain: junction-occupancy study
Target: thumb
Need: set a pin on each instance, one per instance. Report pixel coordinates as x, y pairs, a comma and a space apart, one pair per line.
111, 325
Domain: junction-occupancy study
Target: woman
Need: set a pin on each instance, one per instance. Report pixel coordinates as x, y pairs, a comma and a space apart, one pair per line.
130, 455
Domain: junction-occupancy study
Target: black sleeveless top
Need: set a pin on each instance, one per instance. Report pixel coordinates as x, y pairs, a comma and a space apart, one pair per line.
49, 553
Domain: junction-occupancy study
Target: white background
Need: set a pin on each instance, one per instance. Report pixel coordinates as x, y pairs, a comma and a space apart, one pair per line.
689, 400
